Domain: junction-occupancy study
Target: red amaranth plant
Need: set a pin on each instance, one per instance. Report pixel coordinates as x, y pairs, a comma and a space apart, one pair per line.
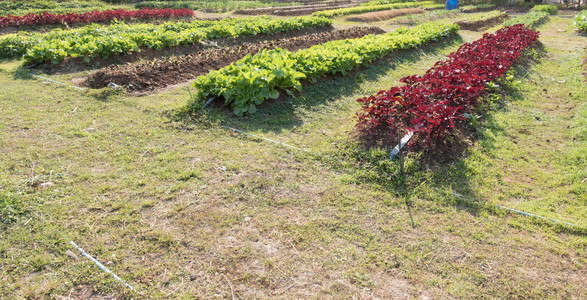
430, 105
46, 18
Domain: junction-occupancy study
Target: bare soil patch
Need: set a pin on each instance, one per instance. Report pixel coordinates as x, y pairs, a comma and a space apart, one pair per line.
385, 15
153, 75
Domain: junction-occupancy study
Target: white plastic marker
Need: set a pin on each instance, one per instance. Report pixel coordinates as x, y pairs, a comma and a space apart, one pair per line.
266, 139
57, 82
101, 266
401, 145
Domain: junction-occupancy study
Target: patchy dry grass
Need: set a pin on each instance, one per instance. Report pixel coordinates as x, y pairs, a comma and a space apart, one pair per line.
185, 209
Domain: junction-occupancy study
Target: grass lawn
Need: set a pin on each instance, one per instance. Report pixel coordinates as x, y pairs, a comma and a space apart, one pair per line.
180, 207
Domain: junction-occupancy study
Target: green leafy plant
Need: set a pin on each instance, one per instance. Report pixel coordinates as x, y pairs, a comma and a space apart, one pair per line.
529, 20
550, 9
581, 21
369, 8
253, 79
120, 38
212, 5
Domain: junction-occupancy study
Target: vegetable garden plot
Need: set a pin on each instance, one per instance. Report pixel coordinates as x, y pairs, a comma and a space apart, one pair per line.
46, 18
253, 79
483, 21
430, 106
426, 17
160, 73
307, 11
477, 8
385, 15
530, 20
270, 10
211, 5
366, 9
97, 40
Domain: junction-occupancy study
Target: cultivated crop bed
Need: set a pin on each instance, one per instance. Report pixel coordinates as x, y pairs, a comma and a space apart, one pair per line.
275, 192
153, 75
46, 18
372, 8
530, 20
385, 15
96, 40
431, 105
210, 5
253, 79
294, 10
483, 20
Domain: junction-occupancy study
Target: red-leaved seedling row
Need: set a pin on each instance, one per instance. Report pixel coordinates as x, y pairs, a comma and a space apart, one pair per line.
46, 18
429, 105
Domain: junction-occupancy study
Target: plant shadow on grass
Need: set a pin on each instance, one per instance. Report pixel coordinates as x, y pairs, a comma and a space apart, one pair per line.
277, 115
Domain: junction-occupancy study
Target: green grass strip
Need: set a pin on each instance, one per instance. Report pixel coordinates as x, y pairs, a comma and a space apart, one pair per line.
100, 40
370, 8
253, 79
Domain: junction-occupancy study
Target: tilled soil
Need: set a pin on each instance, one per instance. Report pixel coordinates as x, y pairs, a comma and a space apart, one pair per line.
77, 64
475, 25
147, 77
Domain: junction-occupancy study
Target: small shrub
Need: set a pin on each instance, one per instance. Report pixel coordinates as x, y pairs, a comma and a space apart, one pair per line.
581, 22
550, 9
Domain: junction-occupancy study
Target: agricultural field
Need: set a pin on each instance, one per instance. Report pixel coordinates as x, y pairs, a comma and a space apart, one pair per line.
291, 149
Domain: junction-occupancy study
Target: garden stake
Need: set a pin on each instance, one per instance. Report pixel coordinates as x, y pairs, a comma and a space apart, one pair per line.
189, 91
400, 156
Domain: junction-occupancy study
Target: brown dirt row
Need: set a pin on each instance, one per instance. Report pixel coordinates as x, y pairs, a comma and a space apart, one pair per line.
476, 25
74, 65
142, 78
384, 15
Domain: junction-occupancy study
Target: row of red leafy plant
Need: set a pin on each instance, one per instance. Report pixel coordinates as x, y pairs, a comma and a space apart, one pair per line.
432, 105
47, 18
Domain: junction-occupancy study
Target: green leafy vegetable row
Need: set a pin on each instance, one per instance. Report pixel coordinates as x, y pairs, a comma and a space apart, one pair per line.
478, 7
581, 21
370, 8
482, 16
550, 9
8, 6
252, 79
529, 20
100, 40
380, 2
212, 5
